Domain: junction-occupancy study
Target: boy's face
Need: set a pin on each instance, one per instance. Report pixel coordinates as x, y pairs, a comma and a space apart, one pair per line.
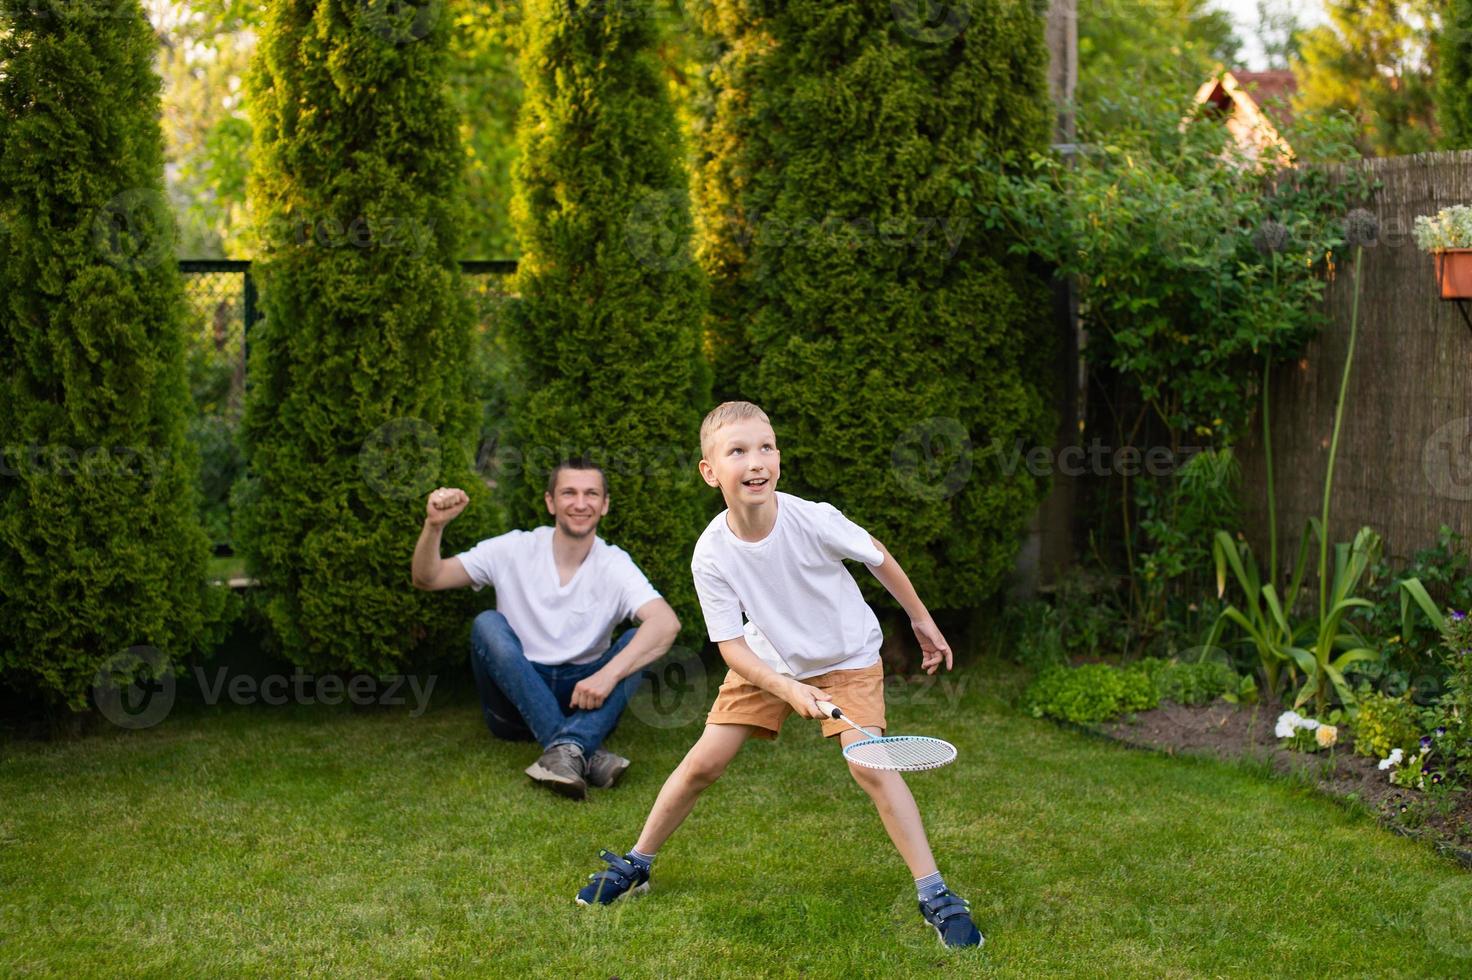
743, 460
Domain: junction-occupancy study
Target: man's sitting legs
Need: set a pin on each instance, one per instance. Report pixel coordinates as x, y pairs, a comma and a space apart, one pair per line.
540, 695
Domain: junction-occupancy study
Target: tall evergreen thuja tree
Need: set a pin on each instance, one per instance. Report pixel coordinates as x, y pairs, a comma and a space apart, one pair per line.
1454, 80
100, 547
897, 348
607, 333
359, 400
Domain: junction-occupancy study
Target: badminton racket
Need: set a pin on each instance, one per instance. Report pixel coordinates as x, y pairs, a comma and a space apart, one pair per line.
896, 753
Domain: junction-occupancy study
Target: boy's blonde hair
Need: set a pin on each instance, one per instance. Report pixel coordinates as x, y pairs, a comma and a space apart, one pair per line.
724, 414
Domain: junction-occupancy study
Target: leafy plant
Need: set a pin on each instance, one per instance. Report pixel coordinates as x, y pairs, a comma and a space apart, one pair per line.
1090, 620
1197, 683
1384, 723
1448, 228
1034, 635
1455, 708
1091, 693
1321, 649
1099, 692
1177, 515
1409, 601
1197, 271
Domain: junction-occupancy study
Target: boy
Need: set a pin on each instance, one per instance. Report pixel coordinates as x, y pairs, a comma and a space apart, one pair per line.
779, 559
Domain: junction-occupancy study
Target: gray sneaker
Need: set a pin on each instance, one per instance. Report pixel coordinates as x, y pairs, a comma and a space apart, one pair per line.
605, 768
562, 770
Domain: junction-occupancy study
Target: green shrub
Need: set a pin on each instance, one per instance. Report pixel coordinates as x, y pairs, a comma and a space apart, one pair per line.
1032, 635
1196, 683
606, 335
899, 351
1102, 692
360, 399
1091, 693
1384, 723
100, 544
1412, 657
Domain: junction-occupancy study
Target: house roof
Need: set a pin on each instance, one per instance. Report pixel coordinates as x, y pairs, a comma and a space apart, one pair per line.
1249, 125
1273, 91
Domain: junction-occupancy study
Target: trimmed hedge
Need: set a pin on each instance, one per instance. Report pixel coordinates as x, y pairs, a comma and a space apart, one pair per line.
360, 398
606, 334
854, 296
100, 545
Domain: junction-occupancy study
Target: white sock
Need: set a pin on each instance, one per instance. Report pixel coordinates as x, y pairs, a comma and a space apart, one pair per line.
929, 886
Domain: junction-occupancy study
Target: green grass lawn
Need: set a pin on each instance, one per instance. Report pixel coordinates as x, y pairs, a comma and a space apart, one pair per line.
260, 840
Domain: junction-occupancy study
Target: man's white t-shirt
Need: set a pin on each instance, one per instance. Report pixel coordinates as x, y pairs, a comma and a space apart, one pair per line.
805, 615
557, 624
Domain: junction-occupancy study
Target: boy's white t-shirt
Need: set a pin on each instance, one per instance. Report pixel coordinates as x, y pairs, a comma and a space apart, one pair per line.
805, 614
557, 624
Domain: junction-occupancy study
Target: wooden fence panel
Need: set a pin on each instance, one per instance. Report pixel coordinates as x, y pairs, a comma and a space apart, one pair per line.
1405, 446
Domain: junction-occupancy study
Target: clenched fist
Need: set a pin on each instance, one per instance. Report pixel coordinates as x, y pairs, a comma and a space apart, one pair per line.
445, 504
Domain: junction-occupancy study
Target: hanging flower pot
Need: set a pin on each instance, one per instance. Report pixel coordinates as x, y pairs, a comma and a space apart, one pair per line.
1454, 272
1447, 235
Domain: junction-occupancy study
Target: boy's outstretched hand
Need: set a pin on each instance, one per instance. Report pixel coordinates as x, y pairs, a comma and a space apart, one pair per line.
932, 644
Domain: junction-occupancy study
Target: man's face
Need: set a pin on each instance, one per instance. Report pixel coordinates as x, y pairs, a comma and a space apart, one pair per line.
578, 501
743, 460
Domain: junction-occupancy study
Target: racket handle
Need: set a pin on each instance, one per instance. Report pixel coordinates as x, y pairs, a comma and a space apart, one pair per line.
831, 710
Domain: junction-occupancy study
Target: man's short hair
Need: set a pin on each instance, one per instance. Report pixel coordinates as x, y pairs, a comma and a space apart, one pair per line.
724, 414
575, 463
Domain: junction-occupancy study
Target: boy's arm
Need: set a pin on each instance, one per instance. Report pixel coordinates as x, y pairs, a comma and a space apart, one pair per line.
803, 697
932, 644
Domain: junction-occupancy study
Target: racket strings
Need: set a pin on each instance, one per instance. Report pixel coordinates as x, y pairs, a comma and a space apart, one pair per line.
907, 753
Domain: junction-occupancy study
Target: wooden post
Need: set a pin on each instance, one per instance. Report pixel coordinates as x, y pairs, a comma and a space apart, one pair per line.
1047, 547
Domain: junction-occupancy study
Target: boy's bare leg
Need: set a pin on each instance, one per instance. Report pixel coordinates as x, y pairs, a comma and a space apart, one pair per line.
702, 765
897, 809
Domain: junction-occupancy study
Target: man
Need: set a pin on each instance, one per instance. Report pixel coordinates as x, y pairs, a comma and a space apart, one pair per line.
542, 658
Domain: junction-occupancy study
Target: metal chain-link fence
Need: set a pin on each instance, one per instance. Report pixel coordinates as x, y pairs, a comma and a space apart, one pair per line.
223, 305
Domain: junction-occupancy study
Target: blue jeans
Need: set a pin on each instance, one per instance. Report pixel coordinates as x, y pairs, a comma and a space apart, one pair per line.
520, 699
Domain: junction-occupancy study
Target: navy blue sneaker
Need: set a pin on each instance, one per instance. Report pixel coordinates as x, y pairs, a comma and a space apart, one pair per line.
622, 877
950, 915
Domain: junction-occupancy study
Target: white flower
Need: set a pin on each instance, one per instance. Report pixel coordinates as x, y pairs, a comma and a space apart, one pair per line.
1287, 722
1392, 760
1308, 723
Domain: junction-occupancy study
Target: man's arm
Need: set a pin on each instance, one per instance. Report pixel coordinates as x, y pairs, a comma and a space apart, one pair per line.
803, 697
932, 644
429, 571
658, 627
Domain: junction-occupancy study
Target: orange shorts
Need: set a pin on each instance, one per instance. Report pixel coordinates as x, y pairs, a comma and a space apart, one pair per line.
860, 693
